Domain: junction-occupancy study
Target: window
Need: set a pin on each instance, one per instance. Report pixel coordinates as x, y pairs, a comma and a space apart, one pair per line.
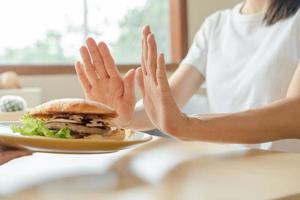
49, 32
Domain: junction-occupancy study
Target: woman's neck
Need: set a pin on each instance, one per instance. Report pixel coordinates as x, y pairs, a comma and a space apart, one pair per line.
255, 6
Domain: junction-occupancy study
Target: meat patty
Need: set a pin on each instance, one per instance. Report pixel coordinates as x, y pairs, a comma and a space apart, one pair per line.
90, 121
77, 128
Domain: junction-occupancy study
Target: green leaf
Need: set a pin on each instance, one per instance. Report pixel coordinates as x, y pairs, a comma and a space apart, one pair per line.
35, 127
64, 133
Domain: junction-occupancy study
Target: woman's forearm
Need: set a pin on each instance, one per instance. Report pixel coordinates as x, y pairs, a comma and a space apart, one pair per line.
279, 120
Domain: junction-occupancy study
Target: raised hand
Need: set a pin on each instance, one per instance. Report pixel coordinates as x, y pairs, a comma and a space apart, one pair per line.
159, 103
102, 82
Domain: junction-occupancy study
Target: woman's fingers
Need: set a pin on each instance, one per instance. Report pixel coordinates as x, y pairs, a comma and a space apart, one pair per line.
108, 60
88, 66
140, 80
146, 32
97, 59
161, 74
85, 84
143, 63
151, 64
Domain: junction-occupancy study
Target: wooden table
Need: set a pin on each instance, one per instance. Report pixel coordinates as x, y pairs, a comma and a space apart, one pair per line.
161, 169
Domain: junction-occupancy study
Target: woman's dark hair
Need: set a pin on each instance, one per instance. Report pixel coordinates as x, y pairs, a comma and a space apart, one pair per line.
281, 9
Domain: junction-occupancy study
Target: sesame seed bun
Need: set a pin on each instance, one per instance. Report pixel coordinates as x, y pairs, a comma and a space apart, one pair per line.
73, 106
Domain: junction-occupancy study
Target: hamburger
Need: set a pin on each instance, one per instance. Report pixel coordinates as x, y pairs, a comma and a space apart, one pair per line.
71, 118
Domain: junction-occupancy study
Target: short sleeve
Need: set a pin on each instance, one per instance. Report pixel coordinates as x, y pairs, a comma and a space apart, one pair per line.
197, 54
298, 34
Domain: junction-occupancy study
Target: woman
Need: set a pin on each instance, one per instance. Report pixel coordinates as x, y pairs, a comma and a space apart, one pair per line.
246, 55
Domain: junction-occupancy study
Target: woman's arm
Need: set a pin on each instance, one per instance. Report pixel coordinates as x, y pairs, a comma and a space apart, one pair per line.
279, 120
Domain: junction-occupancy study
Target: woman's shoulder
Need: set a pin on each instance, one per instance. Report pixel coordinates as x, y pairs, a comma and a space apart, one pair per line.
297, 17
220, 17
295, 22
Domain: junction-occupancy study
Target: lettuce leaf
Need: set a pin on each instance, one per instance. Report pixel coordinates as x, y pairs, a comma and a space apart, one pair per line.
36, 127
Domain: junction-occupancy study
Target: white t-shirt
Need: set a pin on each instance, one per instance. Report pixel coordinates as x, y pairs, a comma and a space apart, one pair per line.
246, 63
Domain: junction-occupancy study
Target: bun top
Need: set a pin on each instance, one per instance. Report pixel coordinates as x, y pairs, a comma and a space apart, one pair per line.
73, 106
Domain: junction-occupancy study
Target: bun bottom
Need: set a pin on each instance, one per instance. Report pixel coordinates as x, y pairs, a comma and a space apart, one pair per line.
117, 135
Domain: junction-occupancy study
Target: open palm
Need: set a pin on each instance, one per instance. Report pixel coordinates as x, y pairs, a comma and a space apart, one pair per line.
159, 103
102, 82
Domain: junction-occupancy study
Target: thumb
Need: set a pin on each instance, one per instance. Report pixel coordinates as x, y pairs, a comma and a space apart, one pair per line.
129, 92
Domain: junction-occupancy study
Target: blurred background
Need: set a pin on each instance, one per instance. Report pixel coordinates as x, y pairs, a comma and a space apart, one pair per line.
40, 39
50, 31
